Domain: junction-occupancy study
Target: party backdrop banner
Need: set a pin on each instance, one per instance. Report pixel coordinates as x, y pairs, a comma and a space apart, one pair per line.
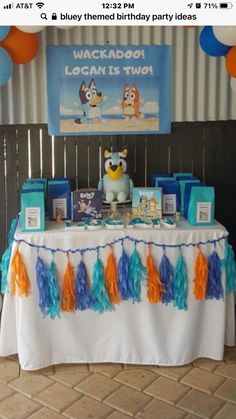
108, 89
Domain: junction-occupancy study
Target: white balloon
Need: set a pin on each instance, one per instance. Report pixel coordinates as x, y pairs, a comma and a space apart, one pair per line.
31, 29
65, 27
233, 84
225, 34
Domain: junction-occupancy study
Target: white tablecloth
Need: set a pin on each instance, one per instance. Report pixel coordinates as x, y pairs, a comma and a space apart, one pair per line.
141, 333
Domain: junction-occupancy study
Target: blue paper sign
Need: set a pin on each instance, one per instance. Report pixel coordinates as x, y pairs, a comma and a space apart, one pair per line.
104, 90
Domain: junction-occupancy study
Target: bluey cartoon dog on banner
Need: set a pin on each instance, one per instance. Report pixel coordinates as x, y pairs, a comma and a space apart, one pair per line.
91, 101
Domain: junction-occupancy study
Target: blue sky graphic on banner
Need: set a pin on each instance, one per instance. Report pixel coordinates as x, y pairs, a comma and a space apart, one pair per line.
108, 89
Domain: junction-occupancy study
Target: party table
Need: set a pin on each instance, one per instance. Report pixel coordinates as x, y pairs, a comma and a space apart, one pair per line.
134, 333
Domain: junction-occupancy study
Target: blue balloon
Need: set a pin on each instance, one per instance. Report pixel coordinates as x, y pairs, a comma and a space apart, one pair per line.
210, 44
4, 30
6, 66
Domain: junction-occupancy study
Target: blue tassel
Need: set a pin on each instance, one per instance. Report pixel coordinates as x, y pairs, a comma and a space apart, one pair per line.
4, 266
124, 278
180, 285
230, 267
54, 293
138, 273
83, 296
99, 291
166, 272
214, 284
49, 292
12, 230
42, 277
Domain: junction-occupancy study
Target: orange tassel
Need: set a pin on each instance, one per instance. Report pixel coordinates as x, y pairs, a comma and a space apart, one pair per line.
19, 276
111, 279
68, 290
201, 275
155, 287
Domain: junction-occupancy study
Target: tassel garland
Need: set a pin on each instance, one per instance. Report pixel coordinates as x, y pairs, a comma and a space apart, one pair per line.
137, 273
4, 266
124, 278
83, 296
68, 290
118, 281
155, 287
111, 279
99, 291
230, 266
180, 286
19, 276
167, 274
214, 284
200, 276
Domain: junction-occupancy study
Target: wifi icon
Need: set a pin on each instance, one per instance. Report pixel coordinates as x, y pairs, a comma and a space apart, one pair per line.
40, 5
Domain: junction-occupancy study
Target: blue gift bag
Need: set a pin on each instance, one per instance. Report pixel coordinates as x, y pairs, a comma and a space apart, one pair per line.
42, 181
187, 193
158, 175
170, 197
32, 207
182, 184
177, 174
59, 198
186, 177
201, 210
160, 178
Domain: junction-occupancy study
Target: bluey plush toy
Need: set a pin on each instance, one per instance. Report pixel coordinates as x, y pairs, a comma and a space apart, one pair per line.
116, 184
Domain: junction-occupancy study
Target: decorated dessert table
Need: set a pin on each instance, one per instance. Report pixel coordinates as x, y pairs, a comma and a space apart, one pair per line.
126, 295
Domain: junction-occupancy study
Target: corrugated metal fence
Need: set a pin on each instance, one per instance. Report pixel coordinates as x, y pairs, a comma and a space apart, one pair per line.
206, 149
200, 92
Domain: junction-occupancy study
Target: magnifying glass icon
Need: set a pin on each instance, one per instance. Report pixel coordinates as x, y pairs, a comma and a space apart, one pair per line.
43, 16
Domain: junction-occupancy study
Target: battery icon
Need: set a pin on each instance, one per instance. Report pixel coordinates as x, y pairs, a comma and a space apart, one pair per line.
226, 5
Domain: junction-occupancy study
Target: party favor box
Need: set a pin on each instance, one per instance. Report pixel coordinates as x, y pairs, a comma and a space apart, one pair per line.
86, 204
32, 207
147, 202
59, 198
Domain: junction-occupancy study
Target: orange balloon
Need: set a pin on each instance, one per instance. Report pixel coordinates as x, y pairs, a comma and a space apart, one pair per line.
21, 46
230, 62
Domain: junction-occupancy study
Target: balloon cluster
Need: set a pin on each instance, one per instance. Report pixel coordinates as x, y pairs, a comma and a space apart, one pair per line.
18, 45
218, 41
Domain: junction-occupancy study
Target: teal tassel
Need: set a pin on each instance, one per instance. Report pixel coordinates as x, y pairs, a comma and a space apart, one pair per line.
138, 274
5, 262
12, 230
54, 293
180, 285
230, 267
102, 302
4, 266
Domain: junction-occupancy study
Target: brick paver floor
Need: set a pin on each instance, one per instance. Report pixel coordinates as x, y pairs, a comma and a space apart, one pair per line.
202, 389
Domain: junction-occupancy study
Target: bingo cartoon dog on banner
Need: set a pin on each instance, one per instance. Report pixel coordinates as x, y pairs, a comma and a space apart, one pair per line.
91, 102
116, 184
131, 102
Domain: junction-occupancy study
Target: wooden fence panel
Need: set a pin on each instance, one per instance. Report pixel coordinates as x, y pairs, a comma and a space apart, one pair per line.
46, 153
